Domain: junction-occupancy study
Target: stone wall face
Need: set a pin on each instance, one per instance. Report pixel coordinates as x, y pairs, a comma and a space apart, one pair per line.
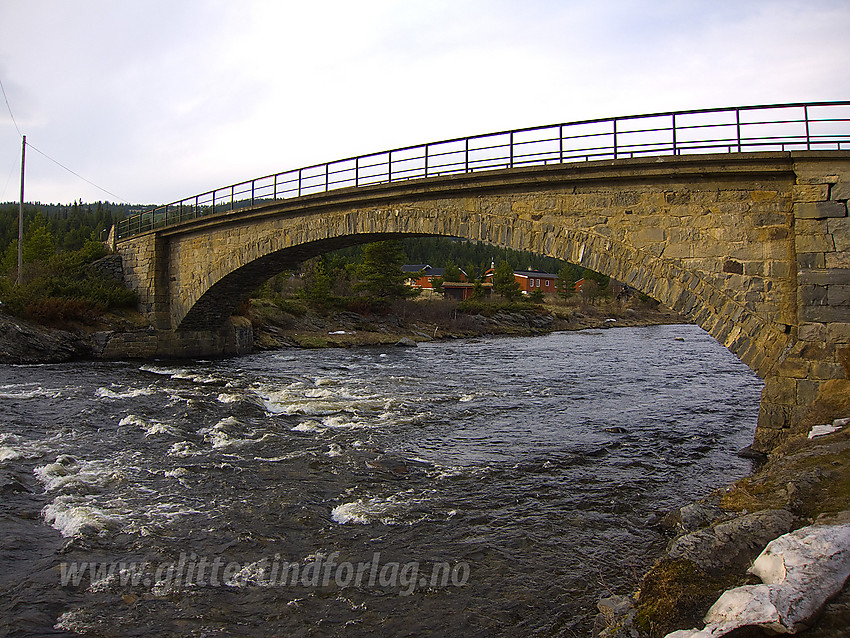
235, 337
110, 267
718, 238
822, 260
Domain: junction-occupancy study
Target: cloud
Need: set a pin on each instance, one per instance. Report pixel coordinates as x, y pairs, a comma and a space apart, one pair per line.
156, 99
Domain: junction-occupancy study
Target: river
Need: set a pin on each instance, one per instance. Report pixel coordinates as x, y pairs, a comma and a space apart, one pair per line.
485, 487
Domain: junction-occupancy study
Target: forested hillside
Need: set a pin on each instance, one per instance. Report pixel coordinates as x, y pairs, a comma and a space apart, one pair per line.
70, 225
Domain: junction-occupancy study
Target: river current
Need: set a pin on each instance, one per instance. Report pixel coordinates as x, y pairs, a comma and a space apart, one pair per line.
488, 487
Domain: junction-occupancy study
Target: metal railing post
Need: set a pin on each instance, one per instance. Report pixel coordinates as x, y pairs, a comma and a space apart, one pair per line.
232, 197
327, 177
511, 145
808, 136
615, 137
426, 160
274, 188
299, 182
561, 142
357, 171
675, 151
253, 184
738, 127
466, 156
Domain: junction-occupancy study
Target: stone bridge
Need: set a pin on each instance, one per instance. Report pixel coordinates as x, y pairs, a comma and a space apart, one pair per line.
753, 247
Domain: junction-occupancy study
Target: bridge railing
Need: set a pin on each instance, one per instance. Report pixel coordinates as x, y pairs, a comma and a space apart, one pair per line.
782, 127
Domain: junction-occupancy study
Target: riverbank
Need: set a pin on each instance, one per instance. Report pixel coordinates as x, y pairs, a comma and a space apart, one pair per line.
804, 482
433, 320
123, 335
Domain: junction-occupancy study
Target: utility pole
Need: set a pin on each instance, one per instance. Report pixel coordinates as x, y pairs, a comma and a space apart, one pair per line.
21, 217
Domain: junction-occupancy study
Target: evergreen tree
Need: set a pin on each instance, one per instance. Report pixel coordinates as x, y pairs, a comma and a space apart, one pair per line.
39, 244
451, 272
380, 274
504, 282
566, 281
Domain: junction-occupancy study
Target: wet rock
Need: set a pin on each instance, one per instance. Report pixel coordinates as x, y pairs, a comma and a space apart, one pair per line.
21, 342
731, 544
697, 515
406, 342
615, 617
397, 465
751, 453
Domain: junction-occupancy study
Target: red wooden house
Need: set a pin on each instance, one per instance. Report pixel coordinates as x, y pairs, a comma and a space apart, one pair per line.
423, 275
531, 280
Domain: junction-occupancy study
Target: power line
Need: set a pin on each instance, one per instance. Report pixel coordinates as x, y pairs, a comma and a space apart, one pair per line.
48, 156
76, 174
2, 88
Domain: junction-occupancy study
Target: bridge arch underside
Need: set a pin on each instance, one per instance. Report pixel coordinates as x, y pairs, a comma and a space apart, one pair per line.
746, 304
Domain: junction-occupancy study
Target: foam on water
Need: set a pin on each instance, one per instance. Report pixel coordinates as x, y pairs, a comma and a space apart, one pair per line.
36, 393
9, 454
299, 398
392, 510
106, 393
342, 422
66, 473
72, 519
309, 426
184, 449
150, 427
181, 373
285, 457
229, 431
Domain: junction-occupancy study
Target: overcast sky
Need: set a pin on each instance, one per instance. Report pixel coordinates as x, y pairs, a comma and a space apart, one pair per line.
156, 100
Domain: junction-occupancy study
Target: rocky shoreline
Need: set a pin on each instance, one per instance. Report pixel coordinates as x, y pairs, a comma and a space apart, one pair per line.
717, 545
129, 336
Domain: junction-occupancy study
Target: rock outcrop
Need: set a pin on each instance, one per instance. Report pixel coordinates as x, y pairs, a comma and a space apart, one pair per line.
21, 343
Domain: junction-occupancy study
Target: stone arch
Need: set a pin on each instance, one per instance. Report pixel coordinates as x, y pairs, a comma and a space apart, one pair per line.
721, 315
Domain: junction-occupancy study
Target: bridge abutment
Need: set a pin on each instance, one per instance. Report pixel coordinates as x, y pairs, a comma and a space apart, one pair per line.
820, 350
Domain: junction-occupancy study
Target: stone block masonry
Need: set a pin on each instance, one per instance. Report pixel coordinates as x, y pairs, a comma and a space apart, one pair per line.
751, 246
821, 242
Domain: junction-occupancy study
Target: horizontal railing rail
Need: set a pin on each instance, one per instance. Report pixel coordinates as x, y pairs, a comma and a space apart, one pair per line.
741, 129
